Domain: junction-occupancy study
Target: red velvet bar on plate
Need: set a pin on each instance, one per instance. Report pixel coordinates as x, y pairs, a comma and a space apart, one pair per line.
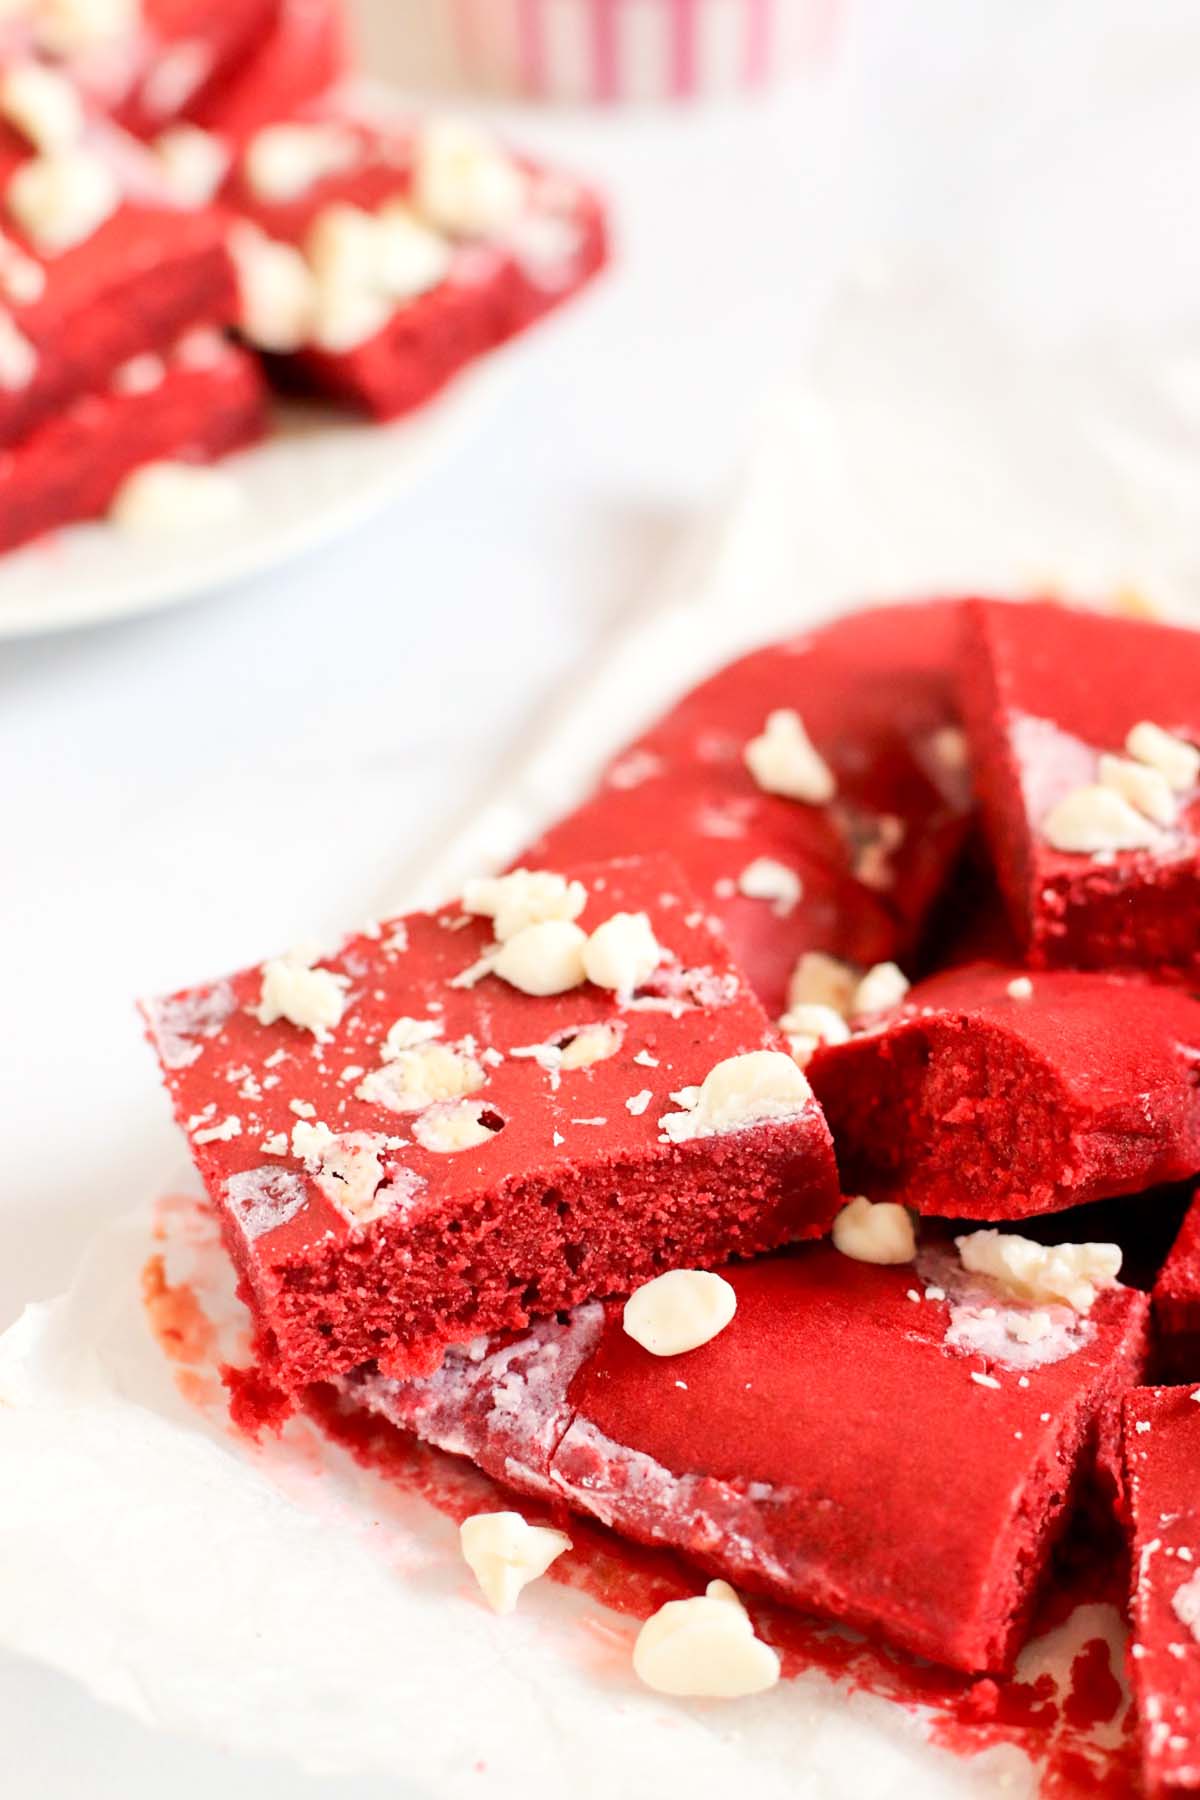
879, 1445
438, 1153
381, 257
201, 400
97, 265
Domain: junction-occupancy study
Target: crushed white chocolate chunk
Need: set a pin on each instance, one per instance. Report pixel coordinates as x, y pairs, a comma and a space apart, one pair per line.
881, 988
1145, 788
42, 105
415, 1079
524, 897
810, 1025
505, 1553
679, 1311
784, 760
276, 292
60, 198
193, 163
74, 27
1095, 821
408, 1034
282, 162
874, 1232
348, 1169
821, 980
1070, 1274
452, 1126
18, 358
292, 988
767, 879
591, 1044
704, 1647
739, 1092
163, 498
463, 182
1174, 758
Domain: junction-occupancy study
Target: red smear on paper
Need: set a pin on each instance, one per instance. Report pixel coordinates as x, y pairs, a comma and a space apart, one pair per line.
960, 1714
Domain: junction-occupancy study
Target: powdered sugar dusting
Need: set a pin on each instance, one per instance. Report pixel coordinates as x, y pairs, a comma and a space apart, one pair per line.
181, 1025
1052, 763
262, 1200
517, 1390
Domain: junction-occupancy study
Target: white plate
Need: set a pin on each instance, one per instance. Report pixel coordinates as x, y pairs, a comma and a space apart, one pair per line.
318, 475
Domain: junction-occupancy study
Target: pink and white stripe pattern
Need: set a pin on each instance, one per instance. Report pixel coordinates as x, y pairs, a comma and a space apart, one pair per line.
621, 50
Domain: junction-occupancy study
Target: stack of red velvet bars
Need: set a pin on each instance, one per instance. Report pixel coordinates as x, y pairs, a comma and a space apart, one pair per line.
446, 1153
188, 187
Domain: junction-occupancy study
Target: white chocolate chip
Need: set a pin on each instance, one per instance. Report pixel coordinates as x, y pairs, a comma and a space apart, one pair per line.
412, 258
22, 281
276, 291
282, 162
881, 988
546, 958
59, 200
950, 748
18, 358
1070, 1274
766, 879
293, 989
704, 1647
193, 163
457, 1125
219, 1134
463, 182
739, 1092
1095, 820
1145, 788
348, 1169
505, 1554
809, 1026
72, 27
622, 953
344, 318
679, 1311
42, 105
310, 1142
408, 1034
1173, 757
783, 760
525, 897
415, 1079
874, 1232
822, 980
140, 375
593, 1044
1020, 988
167, 497
364, 264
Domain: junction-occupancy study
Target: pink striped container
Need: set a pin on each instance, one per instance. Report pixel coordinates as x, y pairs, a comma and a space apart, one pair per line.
613, 51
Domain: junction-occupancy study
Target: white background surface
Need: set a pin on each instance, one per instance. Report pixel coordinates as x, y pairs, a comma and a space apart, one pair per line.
185, 793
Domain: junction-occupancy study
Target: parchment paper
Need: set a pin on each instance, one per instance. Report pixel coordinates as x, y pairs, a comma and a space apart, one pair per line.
280, 1599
